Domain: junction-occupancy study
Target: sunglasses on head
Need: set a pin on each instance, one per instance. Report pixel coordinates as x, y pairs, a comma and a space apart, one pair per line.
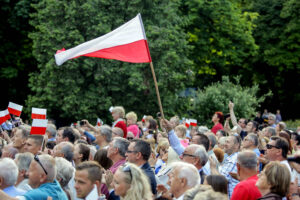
126, 168
36, 158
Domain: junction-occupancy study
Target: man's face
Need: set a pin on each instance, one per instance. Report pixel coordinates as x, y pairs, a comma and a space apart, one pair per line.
111, 150
195, 139
249, 127
34, 174
31, 146
242, 123
174, 181
99, 137
272, 152
271, 121
131, 154
59, 136
230, 146
18, 140
247, 143
83, 185
188, 156
77, 155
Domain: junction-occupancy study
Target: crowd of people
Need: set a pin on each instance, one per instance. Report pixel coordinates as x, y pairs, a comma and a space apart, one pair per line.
152, 159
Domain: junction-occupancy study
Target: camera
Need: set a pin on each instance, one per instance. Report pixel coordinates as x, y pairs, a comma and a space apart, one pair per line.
226, 116
82, 123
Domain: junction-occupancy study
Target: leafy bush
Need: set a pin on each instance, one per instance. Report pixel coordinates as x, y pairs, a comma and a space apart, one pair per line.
217, 96
292, 124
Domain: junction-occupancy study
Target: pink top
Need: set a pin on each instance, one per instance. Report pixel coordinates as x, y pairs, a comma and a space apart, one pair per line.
134, 129
217, 127
184, 142
115, 166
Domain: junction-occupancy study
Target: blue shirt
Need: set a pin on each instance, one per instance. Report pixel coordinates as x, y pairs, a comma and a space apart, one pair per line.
13, 191
45, 190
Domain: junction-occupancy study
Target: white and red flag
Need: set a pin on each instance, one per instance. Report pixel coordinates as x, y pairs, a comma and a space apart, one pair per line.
38, 113
39, 126
144, 117
4, 115
193, 122
187, 123
127, 43
99, 122
15, 109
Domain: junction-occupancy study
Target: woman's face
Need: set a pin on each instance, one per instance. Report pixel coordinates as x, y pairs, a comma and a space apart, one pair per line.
262, 182
119, 184
115, 115
130, 121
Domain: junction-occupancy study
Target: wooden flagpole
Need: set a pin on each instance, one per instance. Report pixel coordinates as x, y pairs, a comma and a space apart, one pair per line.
157, 91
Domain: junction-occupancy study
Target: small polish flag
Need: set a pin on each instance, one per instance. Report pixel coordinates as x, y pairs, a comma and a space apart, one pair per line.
144, 117
127, 43
187, 123
38, 113
193, 122
4, 115
14, 109
39, 126
111, 109
99, 122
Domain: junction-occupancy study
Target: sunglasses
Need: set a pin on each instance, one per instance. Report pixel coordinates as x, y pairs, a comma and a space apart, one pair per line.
126, 168
269, 146
128, 151
36, 158
190, 155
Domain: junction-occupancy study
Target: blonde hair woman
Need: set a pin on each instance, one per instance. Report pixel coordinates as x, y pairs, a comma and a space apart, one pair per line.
131, 183
131, 118
118, 114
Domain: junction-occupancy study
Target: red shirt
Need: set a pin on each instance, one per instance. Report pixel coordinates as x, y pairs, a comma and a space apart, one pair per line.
217, 127
246, 190
122, 125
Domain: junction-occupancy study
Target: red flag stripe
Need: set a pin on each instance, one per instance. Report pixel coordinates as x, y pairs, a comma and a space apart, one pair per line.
37, 116
38, 130
14, 111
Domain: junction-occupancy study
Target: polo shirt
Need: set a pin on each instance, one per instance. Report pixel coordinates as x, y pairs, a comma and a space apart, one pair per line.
246, 190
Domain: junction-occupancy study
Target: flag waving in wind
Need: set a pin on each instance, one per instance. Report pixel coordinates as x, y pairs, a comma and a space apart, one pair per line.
127, 43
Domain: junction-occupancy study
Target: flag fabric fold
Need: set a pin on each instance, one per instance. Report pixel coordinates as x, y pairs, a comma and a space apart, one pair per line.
38, 113
15, 109
127, 43
39, 126
4, 116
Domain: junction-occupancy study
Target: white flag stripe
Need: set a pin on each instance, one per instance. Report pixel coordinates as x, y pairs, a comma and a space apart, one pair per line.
15, 106
39, 122
4, 113
40, 111
193, 120
129, 32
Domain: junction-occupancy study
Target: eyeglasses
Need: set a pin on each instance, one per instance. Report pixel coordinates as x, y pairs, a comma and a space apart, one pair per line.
185, 154
130, 138
36, 158
128, 151
126, 168
269, 146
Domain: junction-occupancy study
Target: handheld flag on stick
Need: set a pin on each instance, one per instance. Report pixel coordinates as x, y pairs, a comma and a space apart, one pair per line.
38, 113
39, 126
4, 115
127, 43
15, 109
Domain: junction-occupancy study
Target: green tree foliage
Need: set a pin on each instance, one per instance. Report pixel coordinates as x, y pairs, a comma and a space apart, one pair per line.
87, 87
277, 65
216, 97
221, 36
16, 59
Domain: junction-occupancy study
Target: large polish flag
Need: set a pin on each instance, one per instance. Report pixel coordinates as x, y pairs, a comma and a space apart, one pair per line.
39, 126
38, 113
15, 109
127, 43
4, 115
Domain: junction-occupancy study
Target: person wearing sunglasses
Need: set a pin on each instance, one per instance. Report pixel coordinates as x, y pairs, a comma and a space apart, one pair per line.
130, 183
277, 150
41, 177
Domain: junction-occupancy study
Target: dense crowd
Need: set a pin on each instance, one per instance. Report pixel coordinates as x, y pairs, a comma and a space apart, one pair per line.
152, 159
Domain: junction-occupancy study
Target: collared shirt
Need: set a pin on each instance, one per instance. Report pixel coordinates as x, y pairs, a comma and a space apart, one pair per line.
180, 198
115, 166
13, 191
23, 185
93, 195
229, 165
246, 190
